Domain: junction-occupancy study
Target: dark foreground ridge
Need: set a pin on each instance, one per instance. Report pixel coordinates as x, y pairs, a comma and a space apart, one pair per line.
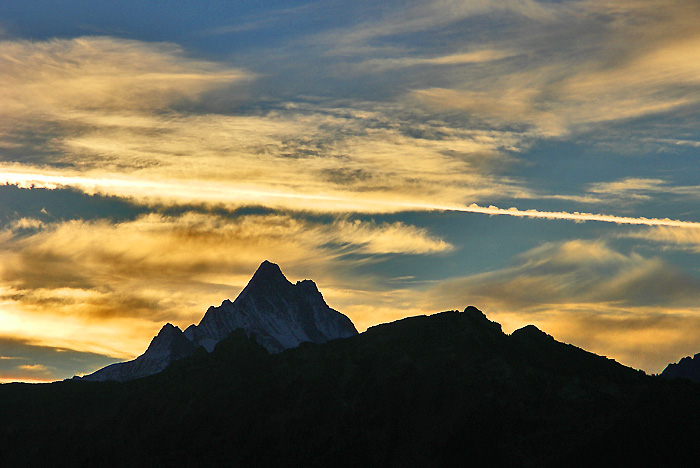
449, 389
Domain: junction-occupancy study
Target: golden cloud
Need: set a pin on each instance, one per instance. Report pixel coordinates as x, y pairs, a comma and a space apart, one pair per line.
280, 162
106, 288
100, 73
98, 114
671, 237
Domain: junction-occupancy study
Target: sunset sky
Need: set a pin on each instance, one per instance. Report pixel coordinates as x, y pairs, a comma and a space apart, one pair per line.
539, 160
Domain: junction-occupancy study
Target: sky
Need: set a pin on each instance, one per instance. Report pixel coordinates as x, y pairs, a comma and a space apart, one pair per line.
539, 160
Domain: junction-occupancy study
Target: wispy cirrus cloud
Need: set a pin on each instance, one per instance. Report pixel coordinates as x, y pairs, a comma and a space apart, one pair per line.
378, 65
634, 188
106, 116
416, 17
641, 189
669, 237
564, 87
101, 73
584, 272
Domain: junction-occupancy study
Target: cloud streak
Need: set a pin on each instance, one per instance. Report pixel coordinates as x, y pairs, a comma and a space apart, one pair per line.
576, 216
219, 193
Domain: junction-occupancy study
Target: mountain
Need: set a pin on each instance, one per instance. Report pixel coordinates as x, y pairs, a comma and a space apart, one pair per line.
278, 314
686, 368
169, 345
449, 389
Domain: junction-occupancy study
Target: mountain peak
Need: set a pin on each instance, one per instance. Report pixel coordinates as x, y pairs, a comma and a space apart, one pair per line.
168, 334
531, 333
268, 272
168, 328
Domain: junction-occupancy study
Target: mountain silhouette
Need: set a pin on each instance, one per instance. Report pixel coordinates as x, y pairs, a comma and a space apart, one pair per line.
686, 368
279, 314
449, 389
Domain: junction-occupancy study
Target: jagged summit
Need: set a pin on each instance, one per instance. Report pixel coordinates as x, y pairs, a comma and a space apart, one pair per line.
167, 331
268, 272
165, 336
169, 345
278, 313
686, 368
267, 279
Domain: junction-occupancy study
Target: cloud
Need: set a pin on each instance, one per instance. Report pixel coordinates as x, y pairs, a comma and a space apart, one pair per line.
630, 187
464, 58
362, 200
580, 272
670, 237
101, 74
576, 68
417, 17
115, 117
575, 216
317, 162
32, 368
641, 189
107, 114
85, 283
26, 223
25, 361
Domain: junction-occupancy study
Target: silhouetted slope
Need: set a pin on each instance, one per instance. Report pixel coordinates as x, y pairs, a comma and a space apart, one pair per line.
686, 368
443, 390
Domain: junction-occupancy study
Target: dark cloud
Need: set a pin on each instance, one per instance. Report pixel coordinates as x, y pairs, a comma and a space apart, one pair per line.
62, 205
20, 359
347, 176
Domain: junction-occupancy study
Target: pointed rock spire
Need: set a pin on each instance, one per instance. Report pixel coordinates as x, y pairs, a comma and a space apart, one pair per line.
268, 272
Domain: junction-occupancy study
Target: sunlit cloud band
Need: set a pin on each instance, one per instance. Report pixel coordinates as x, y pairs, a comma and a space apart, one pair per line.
223, 193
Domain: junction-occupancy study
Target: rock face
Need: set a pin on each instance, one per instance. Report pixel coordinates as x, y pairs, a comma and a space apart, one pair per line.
278, 314
686, 368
